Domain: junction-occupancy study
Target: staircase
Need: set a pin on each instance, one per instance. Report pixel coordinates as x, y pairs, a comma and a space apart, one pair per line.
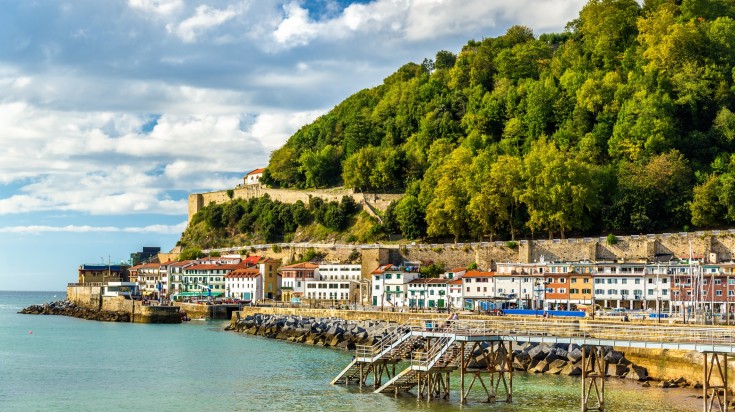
424, 361
350, 374
390, 347
441, 354
402, 382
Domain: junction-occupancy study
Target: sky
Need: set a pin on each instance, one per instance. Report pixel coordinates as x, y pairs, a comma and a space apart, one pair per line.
112, 112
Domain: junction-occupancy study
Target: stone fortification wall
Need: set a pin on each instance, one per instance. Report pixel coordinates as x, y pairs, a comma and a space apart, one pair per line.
716, 246
85, 296
376, 201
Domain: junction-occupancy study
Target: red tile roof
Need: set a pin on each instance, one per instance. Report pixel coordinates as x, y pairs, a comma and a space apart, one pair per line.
381, 269
243, 273
256, 171
478, 274
300, 266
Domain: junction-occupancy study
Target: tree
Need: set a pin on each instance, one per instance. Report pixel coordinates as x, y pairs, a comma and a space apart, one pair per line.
444, 60
561, 192
447, 213
496, 189
410, 217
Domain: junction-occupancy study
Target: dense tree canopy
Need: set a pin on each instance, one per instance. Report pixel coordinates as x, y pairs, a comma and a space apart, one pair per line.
623, 123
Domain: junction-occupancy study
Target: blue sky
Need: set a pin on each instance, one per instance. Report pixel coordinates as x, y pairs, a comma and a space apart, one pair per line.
111, 112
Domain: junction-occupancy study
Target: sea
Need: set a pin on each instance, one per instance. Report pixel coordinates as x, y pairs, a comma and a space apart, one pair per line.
58, 363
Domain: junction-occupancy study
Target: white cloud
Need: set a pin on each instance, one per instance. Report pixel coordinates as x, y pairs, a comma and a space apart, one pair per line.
274, 129
157, 7
419, 20
37, 229
204, 19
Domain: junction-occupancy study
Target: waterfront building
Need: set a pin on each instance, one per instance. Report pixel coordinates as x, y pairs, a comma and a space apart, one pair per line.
557, 288
478, 290
454, 288
102, 273
175, 274
149, 276
294, 279
257, 281
428, 293
114, 289
206, 277
390, 284
657, 287
245, 284
335, 282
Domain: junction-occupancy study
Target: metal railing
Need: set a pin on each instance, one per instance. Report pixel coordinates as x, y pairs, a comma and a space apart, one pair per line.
630, 332
386, 344
422, 360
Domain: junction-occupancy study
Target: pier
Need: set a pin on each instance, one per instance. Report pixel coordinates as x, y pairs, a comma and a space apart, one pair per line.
449, 345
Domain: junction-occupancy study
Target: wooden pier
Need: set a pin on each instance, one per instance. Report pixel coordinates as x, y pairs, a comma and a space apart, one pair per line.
482, 352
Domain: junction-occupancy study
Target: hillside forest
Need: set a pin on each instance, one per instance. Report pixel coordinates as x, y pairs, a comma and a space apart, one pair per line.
622, 123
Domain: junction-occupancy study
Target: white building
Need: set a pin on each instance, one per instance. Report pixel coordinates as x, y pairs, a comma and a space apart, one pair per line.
206, 278
253, 178
245, 284
478, 289
454, 287
390, 285
428, 293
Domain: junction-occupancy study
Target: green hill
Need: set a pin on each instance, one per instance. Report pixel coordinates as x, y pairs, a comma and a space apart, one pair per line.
622, 123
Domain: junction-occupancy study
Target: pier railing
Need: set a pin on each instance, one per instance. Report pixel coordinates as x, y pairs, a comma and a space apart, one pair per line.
369, 353
629, 332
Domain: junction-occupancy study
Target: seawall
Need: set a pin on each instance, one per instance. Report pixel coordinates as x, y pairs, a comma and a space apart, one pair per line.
90, 297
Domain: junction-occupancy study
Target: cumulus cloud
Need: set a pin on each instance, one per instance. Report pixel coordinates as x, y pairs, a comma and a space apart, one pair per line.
157, 7
419, 20
205, 18
37, 229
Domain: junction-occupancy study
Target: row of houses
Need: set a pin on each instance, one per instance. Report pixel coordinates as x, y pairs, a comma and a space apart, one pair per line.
670, 286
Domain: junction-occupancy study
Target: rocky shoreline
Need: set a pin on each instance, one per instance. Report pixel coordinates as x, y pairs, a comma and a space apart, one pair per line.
67, 308
564, 359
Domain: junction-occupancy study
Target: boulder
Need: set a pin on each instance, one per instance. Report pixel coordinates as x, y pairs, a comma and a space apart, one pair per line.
574, 355
638, 373
616, 370
614, 356
541, 367
572, 369
556, 367
538, 352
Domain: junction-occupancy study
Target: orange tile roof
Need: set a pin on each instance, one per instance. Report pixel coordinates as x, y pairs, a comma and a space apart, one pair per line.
302, 265
243, 273
455, 281
256, 171
381, 269
478, 274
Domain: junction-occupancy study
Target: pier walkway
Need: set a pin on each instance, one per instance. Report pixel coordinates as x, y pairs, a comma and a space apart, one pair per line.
483, 351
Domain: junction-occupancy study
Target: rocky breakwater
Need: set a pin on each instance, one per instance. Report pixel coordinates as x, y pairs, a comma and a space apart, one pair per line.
67, 308
330, 332
566, 359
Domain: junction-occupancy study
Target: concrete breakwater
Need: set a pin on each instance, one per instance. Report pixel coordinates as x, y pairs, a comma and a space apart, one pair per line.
67, 308
346, 334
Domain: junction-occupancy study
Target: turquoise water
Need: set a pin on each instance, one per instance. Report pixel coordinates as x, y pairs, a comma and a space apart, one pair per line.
69, 364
